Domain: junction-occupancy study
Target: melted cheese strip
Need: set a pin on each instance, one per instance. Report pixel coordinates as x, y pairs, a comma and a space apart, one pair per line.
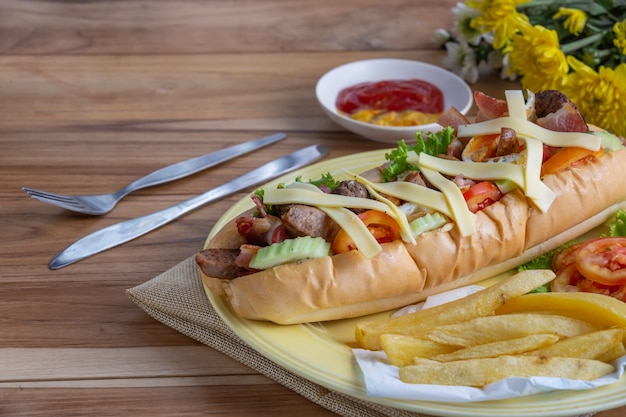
527, 129
465, 219
476, 170
399, 216
413, 193
295, 195
516, 103
347, 220
539, 193
525, 177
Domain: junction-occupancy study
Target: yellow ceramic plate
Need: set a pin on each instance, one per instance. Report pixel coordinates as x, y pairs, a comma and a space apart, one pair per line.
321, 352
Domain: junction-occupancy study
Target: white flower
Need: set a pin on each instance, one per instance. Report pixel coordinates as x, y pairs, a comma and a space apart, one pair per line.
463, 16
462, 61
502, 63
441, 37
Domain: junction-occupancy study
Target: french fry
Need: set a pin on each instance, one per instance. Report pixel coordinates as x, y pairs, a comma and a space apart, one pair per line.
595, 308
585, 346
481, 303
401, 349
481, 372
516, 346
491, 329
610, 355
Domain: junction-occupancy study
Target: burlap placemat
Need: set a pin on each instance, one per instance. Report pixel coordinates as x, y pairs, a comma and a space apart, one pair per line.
177, 299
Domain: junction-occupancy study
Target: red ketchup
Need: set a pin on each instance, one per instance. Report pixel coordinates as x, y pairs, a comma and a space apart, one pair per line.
391, 95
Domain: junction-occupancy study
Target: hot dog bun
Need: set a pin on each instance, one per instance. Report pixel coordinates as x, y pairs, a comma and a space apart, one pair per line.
509, 233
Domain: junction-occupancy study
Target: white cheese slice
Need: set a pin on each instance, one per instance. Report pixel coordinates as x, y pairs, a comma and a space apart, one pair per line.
527, 129
465, 220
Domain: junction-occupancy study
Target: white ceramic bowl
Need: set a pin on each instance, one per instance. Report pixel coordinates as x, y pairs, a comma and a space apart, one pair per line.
455, 91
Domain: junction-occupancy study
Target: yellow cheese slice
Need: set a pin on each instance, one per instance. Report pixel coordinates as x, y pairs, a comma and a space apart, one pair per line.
538, 193
464, 219
399, 216
476, 170
527, 129
516, 103
412, 193
293, 195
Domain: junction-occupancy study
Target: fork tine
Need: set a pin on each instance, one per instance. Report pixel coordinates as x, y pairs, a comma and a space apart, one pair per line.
70, 205
56, 199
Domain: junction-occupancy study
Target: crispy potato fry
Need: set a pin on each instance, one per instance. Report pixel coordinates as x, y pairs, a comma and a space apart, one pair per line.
504, 347
610, 355
490, 329
481, 303
401, 349
481, 372
595, 308
585, 346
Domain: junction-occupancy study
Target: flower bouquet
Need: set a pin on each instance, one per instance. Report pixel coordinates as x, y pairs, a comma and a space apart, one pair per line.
575, 46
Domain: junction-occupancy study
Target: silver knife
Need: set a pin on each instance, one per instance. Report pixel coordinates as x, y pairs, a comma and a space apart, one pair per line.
119, 233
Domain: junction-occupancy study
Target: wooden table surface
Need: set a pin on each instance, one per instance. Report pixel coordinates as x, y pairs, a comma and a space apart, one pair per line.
96, 94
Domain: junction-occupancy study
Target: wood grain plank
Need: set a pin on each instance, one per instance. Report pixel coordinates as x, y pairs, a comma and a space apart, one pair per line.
233, 400
71, 364
156, 94
199, 26
144, 382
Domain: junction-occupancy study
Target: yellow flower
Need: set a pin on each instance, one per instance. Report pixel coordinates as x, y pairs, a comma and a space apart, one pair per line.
620, 32
600, 96
535, 55
499, 16
575, 19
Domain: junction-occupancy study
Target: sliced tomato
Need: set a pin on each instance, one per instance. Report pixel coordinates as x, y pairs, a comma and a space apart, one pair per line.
382, 226
566, 279
481, 195
569, 279
565, 257
603, 260
566, 157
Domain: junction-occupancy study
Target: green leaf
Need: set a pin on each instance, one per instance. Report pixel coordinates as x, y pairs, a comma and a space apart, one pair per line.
432, 143
397, 162
326, 180
618, 226
544, 261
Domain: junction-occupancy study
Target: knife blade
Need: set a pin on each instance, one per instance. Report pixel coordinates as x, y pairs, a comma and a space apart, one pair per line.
125, 231
202, 162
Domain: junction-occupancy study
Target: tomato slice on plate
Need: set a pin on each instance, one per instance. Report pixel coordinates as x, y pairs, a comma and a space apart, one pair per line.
382, 226
565, 257
603, 260
481, 195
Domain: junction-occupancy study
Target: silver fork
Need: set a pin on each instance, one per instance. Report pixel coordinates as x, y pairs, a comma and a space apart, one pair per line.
103, 203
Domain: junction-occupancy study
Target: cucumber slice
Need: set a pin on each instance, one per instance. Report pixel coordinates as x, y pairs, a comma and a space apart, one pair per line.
610, 142
290, 250
430, 221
